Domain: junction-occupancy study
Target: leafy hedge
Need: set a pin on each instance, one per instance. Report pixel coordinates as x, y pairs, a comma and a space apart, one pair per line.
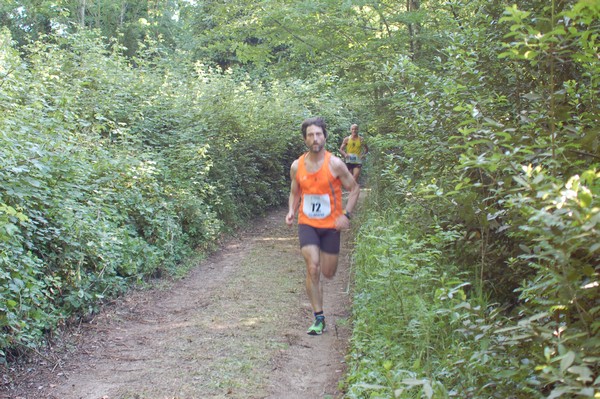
486, 284
114, 170
421, 327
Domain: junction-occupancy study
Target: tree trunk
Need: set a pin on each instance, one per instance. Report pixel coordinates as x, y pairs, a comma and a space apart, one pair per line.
413, 29
82, 6
122, 16
98, 16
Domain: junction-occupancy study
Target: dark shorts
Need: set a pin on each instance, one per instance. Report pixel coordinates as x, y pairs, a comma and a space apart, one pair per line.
328, 240
351, 166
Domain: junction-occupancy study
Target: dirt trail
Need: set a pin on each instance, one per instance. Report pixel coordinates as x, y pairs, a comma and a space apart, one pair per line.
233, 328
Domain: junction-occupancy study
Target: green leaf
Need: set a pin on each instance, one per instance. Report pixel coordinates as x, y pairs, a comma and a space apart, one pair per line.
584, 373
558, 392
585, 197
588, 177
11, 304
521, 181
532, 96
567, 360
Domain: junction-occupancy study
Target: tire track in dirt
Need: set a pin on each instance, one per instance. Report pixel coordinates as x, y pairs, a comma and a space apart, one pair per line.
235, 327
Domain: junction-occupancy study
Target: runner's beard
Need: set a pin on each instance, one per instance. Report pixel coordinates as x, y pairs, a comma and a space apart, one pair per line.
316, 147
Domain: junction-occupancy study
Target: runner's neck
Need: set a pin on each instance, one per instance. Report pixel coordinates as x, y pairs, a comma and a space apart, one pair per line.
314, 161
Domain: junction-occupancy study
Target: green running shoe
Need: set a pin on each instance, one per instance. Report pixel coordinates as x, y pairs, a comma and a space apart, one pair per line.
318, 327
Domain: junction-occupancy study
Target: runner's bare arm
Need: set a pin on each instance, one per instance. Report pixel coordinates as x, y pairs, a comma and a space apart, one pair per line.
343, 147
340, 170
294, 199
349, 184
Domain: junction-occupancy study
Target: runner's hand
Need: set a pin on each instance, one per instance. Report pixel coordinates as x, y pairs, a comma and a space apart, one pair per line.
342, 223
289, 218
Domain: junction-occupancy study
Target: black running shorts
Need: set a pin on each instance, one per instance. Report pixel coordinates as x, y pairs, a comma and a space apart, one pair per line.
351, 166
328, 240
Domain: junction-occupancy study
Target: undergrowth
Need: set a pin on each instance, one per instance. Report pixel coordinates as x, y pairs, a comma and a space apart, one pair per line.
418, 327
425, 326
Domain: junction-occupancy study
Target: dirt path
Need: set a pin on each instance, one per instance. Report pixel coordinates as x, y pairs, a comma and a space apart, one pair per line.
233, 328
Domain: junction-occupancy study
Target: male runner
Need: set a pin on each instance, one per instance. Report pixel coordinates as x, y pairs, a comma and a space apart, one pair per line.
354, 149
316, 191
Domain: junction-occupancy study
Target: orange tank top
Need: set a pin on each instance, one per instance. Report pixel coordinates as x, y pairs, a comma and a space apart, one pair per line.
321, 201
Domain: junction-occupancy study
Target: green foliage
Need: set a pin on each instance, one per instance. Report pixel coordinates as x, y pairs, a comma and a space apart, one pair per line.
113, 170
477, 263
510, 146
561, 298
419, 330
130, 24
94, 213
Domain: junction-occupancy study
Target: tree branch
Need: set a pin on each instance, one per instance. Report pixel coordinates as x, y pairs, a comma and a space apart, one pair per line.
295, 36
7, 74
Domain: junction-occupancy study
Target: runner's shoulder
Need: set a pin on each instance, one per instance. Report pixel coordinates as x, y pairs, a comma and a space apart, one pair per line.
336, 162
294, 168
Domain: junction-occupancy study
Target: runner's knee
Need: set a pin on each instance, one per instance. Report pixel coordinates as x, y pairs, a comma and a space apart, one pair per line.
329, 266
329, 274
313, 270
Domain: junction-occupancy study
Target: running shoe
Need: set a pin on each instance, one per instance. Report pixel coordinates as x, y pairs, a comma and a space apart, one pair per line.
318, 327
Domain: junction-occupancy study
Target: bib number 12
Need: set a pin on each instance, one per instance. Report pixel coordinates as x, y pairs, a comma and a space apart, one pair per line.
316, 206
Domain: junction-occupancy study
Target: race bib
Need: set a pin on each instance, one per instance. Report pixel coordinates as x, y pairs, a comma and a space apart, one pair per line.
316, 206
352, 158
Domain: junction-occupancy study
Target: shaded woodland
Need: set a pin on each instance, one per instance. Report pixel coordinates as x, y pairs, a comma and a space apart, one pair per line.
134, 134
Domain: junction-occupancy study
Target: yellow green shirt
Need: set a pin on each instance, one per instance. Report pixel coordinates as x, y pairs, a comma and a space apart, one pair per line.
353, 150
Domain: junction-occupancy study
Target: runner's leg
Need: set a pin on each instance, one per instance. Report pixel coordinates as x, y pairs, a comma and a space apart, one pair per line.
356, 173
329, 264
314, 288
